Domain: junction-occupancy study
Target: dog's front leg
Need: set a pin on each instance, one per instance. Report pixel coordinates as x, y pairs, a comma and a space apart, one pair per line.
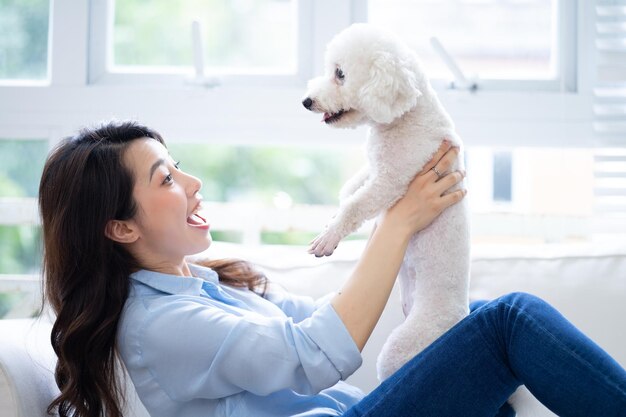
353, 184
376, 195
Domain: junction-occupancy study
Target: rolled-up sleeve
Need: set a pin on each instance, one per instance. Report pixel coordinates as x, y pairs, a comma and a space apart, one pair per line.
197, 350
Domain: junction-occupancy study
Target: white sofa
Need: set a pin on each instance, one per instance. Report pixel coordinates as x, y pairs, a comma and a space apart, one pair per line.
587, 283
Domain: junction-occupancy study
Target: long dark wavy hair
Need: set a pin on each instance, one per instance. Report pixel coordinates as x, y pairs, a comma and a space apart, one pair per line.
84, 185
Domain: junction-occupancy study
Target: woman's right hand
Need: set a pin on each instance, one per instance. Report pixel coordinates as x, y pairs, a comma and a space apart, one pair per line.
427, 195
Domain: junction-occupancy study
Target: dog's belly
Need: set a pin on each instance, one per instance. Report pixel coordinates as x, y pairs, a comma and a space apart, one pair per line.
435, 270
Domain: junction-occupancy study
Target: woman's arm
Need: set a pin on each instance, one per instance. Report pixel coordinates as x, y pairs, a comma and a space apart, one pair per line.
363, 297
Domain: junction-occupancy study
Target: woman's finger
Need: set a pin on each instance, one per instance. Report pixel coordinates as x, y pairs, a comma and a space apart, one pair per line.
443, 149
440, 170
448, 160
449, 180
452, 198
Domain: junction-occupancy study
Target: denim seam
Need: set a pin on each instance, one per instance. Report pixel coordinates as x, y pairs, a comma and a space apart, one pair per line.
496, 355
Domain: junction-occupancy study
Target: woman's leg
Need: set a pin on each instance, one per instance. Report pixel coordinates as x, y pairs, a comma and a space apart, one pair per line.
473, 368
505, 409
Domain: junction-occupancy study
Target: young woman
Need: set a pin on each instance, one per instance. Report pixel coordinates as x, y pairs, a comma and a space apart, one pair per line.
119, 218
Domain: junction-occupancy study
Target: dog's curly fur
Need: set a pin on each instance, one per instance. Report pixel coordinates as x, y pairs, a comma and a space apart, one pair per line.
373, 78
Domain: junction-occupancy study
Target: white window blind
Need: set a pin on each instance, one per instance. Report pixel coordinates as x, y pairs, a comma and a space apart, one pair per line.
609, 109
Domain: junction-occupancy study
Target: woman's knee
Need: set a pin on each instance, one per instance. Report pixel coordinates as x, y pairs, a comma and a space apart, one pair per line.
521, 302
515, 299
509, 307
521, 299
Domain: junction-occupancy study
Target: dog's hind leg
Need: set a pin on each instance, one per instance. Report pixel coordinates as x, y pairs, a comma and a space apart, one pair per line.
434, 281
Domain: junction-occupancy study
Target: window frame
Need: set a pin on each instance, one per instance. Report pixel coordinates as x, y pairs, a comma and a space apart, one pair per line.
564, 20
313, 25
101, 18
487, 117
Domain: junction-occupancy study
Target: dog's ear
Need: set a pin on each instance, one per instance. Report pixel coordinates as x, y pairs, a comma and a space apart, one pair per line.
390, 91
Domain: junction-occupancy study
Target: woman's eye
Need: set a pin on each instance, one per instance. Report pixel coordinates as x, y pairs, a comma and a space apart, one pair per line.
168, 179
339, 74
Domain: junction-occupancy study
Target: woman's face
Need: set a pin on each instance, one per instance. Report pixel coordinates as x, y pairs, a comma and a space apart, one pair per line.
167, 224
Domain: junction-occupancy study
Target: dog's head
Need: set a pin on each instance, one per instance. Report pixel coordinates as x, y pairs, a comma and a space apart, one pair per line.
371, 77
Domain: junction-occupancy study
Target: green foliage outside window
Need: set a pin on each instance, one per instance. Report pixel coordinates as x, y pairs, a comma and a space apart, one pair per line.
236, 34
264, 175
21, 163
24, 39
258, 174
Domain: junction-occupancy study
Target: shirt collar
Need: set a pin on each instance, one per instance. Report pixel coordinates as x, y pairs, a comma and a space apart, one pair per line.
176, 284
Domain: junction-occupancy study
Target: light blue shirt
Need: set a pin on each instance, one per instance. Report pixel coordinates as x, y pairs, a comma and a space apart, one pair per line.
195, 348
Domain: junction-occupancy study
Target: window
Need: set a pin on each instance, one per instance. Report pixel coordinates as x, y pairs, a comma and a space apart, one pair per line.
530, 195
246, 40
502, 172
20, 246
24, 39
21, 164
240, 36
140, 54
263, 183
489, 39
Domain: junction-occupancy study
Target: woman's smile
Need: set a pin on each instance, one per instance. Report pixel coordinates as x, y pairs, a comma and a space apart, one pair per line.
197, 220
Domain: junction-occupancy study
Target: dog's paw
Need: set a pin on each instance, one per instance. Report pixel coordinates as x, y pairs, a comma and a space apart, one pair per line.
325, 243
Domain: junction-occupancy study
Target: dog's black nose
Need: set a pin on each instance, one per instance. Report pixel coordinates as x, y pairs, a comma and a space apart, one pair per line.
307, 103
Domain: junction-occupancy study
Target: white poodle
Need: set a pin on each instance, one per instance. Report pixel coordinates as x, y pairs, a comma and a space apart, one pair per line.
372, 78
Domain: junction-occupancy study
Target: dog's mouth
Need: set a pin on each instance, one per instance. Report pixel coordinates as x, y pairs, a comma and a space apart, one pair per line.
333, 117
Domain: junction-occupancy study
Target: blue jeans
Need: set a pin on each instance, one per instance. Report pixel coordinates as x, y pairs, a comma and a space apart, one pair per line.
472, 369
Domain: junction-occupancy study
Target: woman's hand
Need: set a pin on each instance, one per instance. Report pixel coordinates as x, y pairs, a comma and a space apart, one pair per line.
427, 195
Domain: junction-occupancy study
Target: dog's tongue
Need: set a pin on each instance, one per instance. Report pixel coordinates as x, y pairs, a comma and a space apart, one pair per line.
326, 117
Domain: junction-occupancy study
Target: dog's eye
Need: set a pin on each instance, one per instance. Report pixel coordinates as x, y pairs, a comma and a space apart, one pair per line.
339, 74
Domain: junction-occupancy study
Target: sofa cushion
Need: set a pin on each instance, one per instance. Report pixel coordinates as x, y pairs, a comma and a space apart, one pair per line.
27, 363
26, 368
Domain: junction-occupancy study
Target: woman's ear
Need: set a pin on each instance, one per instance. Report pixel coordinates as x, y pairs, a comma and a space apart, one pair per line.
121, 231
390, 91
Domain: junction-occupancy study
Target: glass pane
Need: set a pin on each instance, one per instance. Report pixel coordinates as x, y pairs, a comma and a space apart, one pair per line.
21, 164
237, 35
24, 39
271, 176
488, 38
9, 301
276, 176
530, 195
502, 171
20, 247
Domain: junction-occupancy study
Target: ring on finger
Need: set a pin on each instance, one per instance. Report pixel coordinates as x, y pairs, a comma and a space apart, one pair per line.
439, 174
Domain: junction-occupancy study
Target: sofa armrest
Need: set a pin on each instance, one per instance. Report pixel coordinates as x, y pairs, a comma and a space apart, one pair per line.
27, 363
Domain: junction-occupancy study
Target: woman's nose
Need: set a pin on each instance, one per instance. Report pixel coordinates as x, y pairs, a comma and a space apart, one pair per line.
195, 185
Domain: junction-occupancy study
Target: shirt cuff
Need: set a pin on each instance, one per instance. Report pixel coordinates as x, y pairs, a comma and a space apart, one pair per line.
334, 340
